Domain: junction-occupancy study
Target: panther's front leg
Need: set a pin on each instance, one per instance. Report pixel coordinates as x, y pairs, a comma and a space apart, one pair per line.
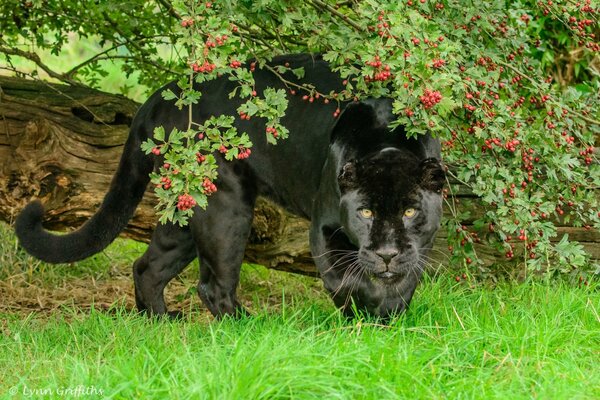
337, 262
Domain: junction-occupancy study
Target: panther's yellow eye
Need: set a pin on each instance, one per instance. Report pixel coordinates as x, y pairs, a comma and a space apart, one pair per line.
410, 212
366, 213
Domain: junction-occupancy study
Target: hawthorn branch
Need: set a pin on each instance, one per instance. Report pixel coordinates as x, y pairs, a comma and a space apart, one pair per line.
535, 83
266, 34
319, 5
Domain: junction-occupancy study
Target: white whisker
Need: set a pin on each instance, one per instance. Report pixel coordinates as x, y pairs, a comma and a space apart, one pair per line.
334, 252
343, 259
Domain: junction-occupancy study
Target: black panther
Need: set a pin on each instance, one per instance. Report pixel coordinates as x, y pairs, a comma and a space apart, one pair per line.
373, 197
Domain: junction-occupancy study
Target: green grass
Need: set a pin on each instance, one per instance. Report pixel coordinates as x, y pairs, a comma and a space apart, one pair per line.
531, 340
512, 342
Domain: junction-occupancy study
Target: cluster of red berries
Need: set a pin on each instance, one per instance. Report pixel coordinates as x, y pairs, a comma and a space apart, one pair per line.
376, 63
272, 131
209, 187
530, 246
430, 42
430, 98
528, 159
543, 99
383, 71
382, 26
381, 76
221, 40
185, 202
450, 143
438, 63
235, 64
510, 191
522, 235
511, 145
587, 153
489, 142
516, 79
517, 103
165, 182
458, 278
200, 157
245, 116
187, 22
569, 139
206, 67
156, 151
311, 98
222, 149
243, 153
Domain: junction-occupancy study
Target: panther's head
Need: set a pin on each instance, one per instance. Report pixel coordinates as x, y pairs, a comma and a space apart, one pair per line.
390, 209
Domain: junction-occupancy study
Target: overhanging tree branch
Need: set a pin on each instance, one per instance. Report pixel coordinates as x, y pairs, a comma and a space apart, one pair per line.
36, 59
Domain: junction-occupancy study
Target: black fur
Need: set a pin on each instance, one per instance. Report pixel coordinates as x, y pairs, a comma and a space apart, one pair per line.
325, 171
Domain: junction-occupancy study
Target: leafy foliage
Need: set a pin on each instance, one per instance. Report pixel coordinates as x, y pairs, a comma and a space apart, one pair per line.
477, 74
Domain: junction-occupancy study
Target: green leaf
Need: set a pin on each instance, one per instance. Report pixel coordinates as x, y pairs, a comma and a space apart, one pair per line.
159, 133
148, 145
168, 94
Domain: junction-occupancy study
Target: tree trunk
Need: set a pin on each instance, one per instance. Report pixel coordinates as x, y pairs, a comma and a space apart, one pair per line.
62, 144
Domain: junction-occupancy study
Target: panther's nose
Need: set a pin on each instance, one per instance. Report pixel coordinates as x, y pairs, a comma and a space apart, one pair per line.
387, 254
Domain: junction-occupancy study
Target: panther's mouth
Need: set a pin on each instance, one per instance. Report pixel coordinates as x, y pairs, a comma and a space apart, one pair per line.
388, 277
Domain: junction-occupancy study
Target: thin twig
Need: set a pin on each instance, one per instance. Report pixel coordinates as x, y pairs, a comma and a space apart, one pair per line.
139, 48
169, 8
90, 60
326, 7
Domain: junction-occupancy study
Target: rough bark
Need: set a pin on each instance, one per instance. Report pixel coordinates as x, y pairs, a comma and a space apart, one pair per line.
62, 144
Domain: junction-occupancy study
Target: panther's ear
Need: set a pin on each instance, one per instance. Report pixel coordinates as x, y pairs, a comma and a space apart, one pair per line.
433, 176
347, 176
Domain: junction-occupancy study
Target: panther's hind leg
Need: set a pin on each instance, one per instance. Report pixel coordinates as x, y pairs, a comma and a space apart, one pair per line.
169, 252
221, 232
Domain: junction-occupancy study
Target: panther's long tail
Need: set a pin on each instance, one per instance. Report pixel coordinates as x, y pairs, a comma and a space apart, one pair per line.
126, 191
